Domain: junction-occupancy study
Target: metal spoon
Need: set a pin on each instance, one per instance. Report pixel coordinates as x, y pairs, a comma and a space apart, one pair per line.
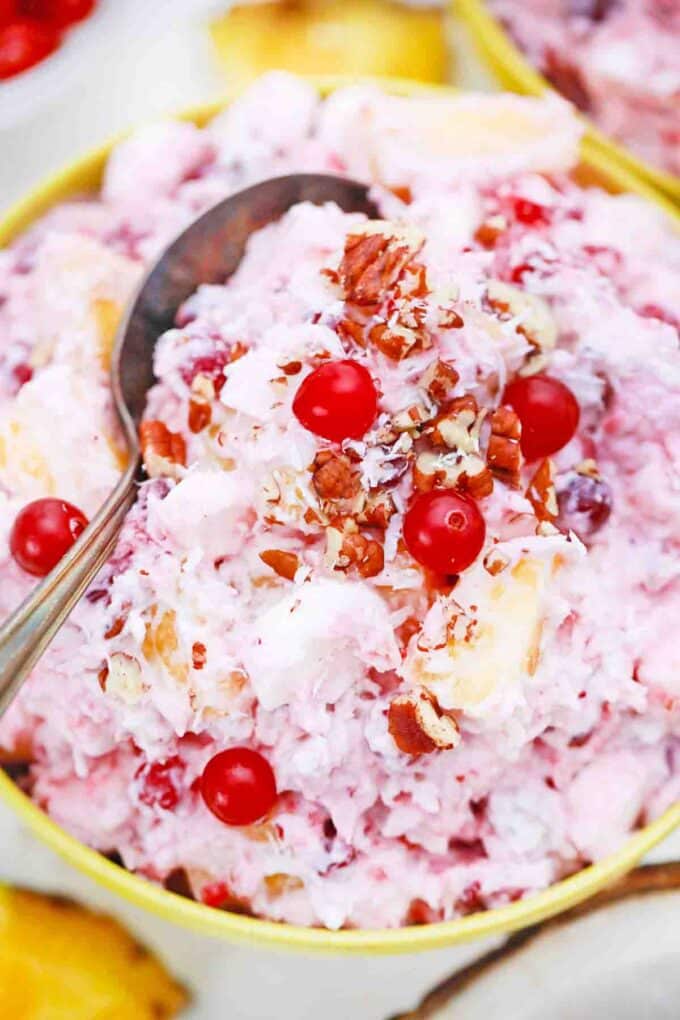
208, 251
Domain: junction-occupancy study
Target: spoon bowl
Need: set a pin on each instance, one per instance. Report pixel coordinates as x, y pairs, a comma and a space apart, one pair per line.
208, 251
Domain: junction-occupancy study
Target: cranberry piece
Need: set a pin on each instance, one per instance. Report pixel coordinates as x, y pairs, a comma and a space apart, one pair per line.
567, 79
160, 782
43, 531
593, 10
238, 786
215, 894
60, 13
444, 531
530, 213
549, 413
338, 401
584, 505
22, 373
24, 43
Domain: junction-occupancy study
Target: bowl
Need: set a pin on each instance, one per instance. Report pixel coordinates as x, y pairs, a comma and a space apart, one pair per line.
597, 167
510, 67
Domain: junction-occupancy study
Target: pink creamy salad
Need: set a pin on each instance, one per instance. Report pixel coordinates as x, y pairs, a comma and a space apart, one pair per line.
439, 744
617, 60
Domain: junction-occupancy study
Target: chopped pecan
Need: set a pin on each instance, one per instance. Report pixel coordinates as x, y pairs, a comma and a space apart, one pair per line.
418, 726
351, 331
458, 426
282, 562
541, 492
439, 379
164, 452
115, 628
334, 477
199, 417
503, 454
464, 471
372, 263
346, 547
394, 341
495, 562
450, 319
199, 655
412, 418
488, 232
291, 367
378, 510
479, 485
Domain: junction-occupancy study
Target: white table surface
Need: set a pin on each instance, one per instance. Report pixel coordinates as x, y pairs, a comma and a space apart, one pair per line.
146, 66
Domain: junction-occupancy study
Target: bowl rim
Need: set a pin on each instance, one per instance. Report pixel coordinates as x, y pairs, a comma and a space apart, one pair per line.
84, 175
509, 66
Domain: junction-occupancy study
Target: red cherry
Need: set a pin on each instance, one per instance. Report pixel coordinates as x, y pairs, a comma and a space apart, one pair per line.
338, 401
549, 413
238, 786
24, 43
58, 12
43, 532
8, 11
444, 531
160, 783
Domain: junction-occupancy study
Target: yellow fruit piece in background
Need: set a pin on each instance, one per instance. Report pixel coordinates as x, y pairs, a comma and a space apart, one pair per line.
59, 961
363, 37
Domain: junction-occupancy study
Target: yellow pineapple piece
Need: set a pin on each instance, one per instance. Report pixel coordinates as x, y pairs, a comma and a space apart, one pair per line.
107, 317
494, 646
363, 37
59, 961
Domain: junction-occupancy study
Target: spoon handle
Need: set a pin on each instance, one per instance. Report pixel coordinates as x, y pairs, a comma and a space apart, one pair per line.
29, 630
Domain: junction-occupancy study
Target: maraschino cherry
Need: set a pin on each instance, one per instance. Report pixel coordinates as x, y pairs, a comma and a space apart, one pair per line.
338, 401
444, 531
548, 411
238, 786
43, 531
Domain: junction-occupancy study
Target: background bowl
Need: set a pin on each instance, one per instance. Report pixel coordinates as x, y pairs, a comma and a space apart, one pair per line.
596, 167
509, 66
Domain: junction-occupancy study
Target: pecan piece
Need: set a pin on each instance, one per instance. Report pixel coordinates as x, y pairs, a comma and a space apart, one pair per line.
378, 510
541, 492
164, 452
346, 547
503, 454
199, 417
458, 426
418, 726
199, 655
372, 263
282, 562
488, 232
439, 379
333, 477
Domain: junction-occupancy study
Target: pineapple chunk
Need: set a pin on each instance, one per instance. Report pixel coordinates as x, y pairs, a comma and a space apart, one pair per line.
364, 37
493, 636
59, 961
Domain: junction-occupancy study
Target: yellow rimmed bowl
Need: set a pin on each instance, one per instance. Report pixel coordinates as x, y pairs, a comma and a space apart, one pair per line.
85, 176
512, 70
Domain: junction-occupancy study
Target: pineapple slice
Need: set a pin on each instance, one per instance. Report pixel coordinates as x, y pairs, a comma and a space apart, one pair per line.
59, 961
363, 37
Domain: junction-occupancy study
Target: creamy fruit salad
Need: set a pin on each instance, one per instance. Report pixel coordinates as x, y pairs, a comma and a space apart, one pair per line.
388, 636
617, 60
